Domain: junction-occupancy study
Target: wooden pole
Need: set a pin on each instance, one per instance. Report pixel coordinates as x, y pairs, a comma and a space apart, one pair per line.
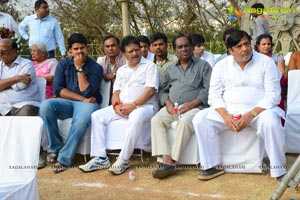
125, 17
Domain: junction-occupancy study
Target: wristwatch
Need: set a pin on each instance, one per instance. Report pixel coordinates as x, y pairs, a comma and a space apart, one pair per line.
253, 113
79, 69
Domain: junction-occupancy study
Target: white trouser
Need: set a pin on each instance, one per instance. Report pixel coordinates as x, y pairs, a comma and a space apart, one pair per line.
133, 129
268, 127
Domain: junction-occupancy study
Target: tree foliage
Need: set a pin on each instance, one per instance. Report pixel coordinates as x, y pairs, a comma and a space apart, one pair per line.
97, 18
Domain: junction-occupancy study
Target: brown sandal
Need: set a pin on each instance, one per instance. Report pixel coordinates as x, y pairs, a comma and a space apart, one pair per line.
58, 167
51, 158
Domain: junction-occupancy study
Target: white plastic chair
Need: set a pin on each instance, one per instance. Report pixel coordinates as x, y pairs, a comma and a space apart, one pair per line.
292, 123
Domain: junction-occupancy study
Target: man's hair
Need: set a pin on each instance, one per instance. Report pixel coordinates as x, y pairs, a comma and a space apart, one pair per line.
258, 5
235, 37
14, 45
158, 35
76, 38
259, 8
259, 38
179, 36
144, 39
38, 4
197, 39
111, 36
227, 32
127, 40
40, 46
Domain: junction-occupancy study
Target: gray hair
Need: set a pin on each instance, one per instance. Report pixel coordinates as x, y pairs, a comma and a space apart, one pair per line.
41, 46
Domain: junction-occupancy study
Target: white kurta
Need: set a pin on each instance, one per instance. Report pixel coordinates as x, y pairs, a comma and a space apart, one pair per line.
208, 57
131, 83
234, 89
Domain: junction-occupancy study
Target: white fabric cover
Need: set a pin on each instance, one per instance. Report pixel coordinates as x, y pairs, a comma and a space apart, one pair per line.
41, 82
292, 123
19, 155
105, 92
190, 154
241, 152
287, 58
115, 136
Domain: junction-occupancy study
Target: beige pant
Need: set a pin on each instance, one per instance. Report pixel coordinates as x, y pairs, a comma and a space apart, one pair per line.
160, 124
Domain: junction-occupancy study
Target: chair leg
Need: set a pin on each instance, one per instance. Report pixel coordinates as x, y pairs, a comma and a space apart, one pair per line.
142, 159
84, 156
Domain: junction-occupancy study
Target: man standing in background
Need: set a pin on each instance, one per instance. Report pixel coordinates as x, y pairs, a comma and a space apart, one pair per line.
43, 28
7, 21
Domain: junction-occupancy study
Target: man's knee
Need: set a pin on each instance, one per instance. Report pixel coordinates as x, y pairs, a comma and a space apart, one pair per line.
46, 106
27, 110
270, 119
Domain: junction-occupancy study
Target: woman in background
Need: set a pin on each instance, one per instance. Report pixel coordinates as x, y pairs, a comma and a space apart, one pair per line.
44, 67
264, 45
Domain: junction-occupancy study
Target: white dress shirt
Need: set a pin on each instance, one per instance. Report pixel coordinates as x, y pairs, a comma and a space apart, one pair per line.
208, 57
234, 89
132, 82
8, 21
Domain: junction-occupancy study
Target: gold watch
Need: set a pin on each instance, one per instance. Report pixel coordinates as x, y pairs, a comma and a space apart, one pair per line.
253, 113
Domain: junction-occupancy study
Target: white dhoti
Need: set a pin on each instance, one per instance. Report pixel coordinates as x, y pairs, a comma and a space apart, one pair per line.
267, 124
133, 129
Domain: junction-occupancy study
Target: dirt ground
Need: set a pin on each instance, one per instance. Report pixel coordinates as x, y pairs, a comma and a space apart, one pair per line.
74, 184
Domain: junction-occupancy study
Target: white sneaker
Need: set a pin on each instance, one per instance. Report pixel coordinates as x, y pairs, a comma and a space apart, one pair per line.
95, 164
119, 167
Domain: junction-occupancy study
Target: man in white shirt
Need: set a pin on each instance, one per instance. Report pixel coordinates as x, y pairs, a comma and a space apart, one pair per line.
134, 99
247, 82
7, 21
145, 47
199, 49
18, 86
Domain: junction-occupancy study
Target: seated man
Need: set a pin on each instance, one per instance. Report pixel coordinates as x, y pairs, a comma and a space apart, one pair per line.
162, 58
112, 61
18, 85
248, 83
145, 47
185, 82
133, 99
113, 58
76, 85
199, 49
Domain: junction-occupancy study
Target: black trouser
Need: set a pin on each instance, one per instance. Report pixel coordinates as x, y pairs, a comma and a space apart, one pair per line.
27, 110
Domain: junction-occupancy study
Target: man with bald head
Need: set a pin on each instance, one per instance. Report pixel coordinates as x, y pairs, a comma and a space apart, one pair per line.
18, 86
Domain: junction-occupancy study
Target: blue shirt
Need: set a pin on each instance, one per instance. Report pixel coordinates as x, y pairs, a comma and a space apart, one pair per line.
66, 77
46, 30
20, 94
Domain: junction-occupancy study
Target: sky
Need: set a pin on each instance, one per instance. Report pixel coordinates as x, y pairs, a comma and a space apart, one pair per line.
26, 7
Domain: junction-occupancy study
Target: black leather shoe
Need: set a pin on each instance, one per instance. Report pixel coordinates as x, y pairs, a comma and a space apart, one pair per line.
211, 173
164, 171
